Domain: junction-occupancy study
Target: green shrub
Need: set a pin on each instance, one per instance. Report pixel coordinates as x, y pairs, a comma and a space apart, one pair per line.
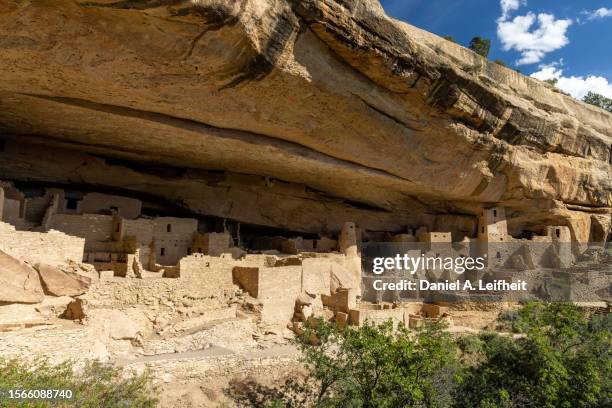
560, 358
552, 81
598, 100
376, 366
554, 356
95, 385
480, 46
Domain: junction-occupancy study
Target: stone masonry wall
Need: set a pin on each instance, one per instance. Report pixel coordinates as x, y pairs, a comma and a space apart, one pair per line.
91, 227
214, 272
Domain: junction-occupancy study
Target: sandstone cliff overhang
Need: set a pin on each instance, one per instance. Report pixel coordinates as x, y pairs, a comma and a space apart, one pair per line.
292, 114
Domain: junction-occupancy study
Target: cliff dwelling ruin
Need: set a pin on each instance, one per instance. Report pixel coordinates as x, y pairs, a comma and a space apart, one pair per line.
183, 176
293, 277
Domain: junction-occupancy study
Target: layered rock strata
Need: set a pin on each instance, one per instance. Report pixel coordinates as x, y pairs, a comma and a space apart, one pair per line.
293, 114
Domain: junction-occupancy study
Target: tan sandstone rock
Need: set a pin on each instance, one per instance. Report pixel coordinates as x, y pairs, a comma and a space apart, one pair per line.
19, 314
58, 282
19, 282
54, 306
316, 112
342, 278
316, 276
127, 324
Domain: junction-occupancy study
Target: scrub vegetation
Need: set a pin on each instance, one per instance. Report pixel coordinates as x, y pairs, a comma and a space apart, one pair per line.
544, 355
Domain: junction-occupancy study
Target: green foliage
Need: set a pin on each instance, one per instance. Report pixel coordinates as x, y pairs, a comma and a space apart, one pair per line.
552, 81
599, 100
93, 386
500, 62
560, 358
480, 46
449, 38
549, 356
376, 366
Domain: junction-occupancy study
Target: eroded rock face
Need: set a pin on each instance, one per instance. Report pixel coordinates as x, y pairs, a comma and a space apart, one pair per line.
308, 113
19, 282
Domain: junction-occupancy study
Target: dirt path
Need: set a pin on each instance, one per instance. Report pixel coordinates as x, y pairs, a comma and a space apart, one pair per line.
214, 351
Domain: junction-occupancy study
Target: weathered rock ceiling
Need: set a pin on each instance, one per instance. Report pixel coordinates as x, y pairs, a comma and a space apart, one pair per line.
379, 120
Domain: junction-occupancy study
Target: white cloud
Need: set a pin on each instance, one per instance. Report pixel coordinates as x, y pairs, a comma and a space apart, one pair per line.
535, 35
577, 86
532, 35
508, 6
595, 14
533, 43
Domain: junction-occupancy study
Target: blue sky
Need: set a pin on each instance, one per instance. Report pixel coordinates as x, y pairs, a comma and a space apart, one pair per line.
570, 40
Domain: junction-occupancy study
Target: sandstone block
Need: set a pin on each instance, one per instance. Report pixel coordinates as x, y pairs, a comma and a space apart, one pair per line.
248, 279
342, 319
344, 300
119, 325
415, 321
262, 282
277, 310
433, 311
341, 278
122, 327
356, 317
106, 275
54, 306
19, 314
75, 310
19, 282
304, 299
276, 288
316, 276
58, 282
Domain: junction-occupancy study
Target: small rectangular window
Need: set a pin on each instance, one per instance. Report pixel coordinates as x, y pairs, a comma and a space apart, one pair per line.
169, 228
189, 251
558, 233
162, 251
71, 203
